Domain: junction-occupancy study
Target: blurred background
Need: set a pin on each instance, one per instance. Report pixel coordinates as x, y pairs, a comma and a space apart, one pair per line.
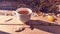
38, 6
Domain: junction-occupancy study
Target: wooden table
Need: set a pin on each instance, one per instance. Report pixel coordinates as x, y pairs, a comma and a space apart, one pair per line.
15, 23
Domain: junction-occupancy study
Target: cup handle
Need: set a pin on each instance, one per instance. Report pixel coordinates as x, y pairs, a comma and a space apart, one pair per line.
15, 13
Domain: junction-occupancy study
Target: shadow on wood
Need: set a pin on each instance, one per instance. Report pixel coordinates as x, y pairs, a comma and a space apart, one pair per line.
45, 26
1, 32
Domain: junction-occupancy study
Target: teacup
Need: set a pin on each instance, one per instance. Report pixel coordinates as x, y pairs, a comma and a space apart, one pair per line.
23, 14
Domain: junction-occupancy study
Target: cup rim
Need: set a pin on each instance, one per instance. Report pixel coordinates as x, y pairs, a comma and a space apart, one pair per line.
28, 9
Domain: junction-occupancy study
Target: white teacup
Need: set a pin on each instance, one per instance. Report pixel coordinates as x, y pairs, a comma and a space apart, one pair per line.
23, 17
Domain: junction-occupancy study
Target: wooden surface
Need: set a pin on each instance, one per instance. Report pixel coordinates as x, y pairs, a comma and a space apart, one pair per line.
11, 28
13, 21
